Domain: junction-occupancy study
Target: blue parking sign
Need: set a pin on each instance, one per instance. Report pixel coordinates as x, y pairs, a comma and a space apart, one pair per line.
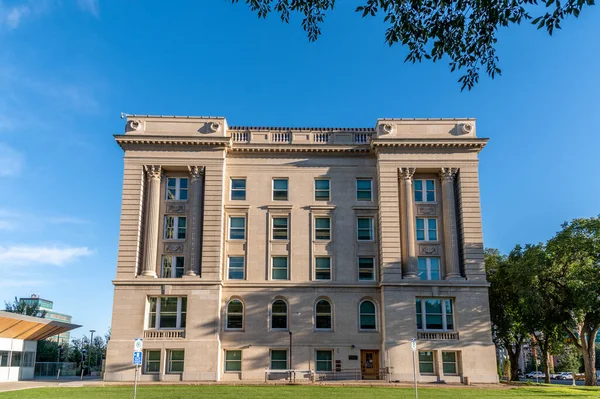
137, 358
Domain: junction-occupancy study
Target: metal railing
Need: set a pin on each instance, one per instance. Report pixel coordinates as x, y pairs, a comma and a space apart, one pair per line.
50, 369
352, 374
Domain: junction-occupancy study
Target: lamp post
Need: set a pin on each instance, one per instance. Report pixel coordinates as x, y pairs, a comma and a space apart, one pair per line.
90, 345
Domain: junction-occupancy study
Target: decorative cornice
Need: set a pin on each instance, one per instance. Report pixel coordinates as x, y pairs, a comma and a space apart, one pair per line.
125, 141
196, 172
153, 171
431, 143
448, 173
406, 173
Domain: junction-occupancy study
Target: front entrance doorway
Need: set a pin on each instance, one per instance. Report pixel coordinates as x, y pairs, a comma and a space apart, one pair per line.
369, 364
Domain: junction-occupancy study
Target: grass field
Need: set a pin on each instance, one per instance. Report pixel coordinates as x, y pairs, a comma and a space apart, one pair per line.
279, 392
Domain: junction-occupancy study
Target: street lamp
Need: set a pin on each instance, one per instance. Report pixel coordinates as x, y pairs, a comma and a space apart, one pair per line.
90, 345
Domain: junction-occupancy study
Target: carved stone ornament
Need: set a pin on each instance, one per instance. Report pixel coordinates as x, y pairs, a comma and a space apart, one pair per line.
175, 207
196, 172
214, 126
426, 210
448, 173
429, 250
135, 124
466, 128
153, 171
387, 128
407, 173
173, 248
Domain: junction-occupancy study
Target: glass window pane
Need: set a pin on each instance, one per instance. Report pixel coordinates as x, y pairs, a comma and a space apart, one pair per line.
177, 355
433, 306
418, 196
172, 182
367, 322
449, 357
322, 184
280, 274
448, 306
279, 355
233, 355
279, 322
420, 224
237, 222
434, 322
238, 184
323, 307
279, 307
426, 368
363, 184
324, 355
449, 368
153, 355
367, 307
280, 184
322, 223
235, 321
364, 223
418, 185
430, 185
280, 261
425, 356
235, 307
430, 196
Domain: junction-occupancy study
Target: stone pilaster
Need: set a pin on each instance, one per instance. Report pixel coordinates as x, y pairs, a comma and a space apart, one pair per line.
411, 270
447, 176
193, 267
153, 173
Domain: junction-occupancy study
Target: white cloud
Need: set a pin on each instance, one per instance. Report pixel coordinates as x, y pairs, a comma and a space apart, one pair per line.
14, 14
11, 219
11, 161
90, 6
42, 255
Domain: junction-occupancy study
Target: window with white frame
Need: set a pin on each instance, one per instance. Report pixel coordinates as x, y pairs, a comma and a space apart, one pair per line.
237, 228
175, 227
152, 362
233, 361
279, 268
366, 268
279, 359
322, 228
449, 363
426, 229
167, 312
364, 189
235, 315
280, 226
279, 315
424, 190
172, 266
177, 188
322, 189
236, 268
175, 361
280, 189
429, 268
368, 316
426, 362
323, 315
324, 360
435, 314
365, 228
238, 189
322, 268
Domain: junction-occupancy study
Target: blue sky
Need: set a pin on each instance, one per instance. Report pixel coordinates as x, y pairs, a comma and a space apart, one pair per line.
68, 68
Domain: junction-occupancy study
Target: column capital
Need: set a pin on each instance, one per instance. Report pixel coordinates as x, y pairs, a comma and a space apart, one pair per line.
196, 172
448, 173
153, 171
407, 173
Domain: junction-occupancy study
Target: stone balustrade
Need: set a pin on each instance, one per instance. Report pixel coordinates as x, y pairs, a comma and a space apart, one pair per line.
437, 336
302, 137
164, 334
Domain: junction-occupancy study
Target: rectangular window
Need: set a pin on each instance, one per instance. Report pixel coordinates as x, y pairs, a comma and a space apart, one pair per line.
322, 268
280, 228
16, 359
322, 189
28, 359
366, 269
238, 189
426, 362
167, 312
175, 363
278, 359
324, 360
449, 363
424, 191
365, 229
237, 228
364, 189
322, 228
4, 358
177, 188
429, 268
435, 314
172, 266
233, 360
279, 268
280, 189
236, 269
152, 362
426, 229
175, 227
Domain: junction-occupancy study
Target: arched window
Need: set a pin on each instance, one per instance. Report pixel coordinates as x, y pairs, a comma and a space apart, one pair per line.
323, 318
279, 314
368, 315
235, 315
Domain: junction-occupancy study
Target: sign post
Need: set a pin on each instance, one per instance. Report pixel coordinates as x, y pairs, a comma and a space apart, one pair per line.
137, 361
413, 345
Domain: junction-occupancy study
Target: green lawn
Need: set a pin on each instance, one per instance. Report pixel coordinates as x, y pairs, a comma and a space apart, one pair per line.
278, 392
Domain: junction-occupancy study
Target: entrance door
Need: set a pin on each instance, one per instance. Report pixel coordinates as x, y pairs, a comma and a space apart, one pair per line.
369, 364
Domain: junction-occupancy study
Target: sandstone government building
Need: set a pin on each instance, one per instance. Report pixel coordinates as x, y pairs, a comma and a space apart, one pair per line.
248, 251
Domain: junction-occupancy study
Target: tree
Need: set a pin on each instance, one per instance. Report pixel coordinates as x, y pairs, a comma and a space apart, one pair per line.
575, 253
463, 31
23, 307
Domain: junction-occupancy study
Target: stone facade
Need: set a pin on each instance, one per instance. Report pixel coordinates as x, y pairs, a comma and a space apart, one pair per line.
343, 243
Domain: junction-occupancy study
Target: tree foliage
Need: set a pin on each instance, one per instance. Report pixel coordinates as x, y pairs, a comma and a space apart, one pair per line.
24, 308
464, 31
